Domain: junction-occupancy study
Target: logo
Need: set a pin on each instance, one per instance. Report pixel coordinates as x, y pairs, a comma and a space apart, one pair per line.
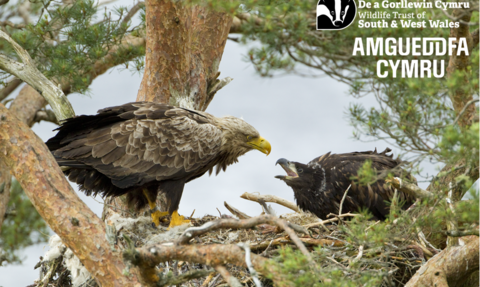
335, 14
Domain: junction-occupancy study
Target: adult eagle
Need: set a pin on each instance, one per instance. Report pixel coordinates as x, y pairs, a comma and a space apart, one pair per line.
142, 148
319, 186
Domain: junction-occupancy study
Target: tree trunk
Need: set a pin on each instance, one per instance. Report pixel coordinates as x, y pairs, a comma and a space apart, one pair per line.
183, 52
184, 48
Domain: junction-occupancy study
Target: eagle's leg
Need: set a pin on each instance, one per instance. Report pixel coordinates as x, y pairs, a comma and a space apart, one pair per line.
157, 214
177, 220
173, 190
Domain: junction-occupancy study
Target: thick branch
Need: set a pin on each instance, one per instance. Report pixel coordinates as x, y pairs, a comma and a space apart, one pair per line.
5, 182
449, 268
30, 161
9, 88
212, 254
270, 198
29, 73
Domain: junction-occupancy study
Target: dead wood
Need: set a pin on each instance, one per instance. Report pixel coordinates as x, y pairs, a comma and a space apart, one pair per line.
235, 211
409, 188
241, 224
270, 198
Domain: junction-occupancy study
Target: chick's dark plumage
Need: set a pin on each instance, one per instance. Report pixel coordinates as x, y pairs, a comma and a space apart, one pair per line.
320, 185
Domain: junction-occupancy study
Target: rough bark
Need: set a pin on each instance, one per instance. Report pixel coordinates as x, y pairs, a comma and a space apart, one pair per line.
450, 268
30, 161
5, 182
184, 48
9, 88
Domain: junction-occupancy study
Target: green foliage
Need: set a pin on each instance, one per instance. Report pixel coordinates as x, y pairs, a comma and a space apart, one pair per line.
414, 114
23, 228
68, 41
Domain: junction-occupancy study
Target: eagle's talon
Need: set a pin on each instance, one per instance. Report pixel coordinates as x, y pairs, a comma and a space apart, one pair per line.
157, 215
177, 220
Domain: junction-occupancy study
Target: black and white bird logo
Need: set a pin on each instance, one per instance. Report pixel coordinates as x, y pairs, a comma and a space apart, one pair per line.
335, 14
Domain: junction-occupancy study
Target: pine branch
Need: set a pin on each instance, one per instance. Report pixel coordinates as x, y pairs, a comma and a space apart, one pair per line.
28, 72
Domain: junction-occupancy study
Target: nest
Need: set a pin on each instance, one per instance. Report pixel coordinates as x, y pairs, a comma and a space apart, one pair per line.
330, 246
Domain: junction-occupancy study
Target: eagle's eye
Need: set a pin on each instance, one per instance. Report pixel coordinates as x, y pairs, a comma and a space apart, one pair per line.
299, 170
249, 138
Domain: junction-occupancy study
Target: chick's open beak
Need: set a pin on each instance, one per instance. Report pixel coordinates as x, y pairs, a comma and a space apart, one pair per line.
289, 168
261, 144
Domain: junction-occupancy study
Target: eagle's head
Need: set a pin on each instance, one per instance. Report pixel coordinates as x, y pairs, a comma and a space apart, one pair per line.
241, 137
299, 176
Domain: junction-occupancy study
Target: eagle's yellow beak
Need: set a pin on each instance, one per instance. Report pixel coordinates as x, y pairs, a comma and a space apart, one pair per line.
261, 144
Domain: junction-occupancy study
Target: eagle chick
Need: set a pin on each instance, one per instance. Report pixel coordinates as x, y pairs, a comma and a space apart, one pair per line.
319, 186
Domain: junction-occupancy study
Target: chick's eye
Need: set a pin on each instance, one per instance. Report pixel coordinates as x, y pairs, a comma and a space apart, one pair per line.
300, 170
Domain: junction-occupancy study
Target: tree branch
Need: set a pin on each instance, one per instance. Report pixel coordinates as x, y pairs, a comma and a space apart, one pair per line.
212, 254
270, 198
29, 73
9, 88
192, 232
30, 161
409, 188
449, 268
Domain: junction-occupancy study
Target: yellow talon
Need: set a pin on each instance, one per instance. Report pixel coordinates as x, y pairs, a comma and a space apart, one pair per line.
177, 220
156, 215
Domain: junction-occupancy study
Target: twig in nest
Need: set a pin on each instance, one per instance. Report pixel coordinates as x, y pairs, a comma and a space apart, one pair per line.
171, 280
239, 224
252, 270
358, 257
268, 209
236, 212
270, 198
459, 233
191, 215
207, 280
343, 199
452, 223
231, 280
323, 222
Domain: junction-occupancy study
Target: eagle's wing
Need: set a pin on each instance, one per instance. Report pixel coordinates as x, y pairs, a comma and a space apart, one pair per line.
142, 142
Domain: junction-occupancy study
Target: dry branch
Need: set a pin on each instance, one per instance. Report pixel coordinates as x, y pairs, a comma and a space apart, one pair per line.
409, 188
227, 277
307, 241
235, 211
30, 161
28, 72
323, 222
270, 198
192, 232
213, 255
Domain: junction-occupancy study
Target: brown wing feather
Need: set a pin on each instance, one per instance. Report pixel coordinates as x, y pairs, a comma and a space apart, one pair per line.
144, 141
